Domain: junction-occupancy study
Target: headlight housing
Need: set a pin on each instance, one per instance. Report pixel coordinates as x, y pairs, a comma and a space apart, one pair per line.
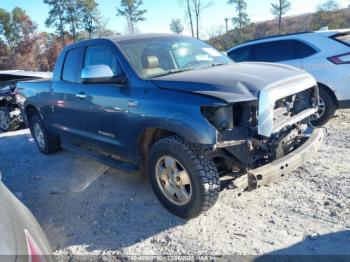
220, 117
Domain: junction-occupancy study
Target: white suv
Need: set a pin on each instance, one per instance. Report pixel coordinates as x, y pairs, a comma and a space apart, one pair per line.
324, 54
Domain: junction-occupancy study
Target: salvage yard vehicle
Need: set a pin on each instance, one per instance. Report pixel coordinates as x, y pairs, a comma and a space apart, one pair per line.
21, 238
10, 115
323, 54
178, 109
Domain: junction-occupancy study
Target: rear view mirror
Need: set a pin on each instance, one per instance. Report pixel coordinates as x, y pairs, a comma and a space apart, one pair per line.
98, 74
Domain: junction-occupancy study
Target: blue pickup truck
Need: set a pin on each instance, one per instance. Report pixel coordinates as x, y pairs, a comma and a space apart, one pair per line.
180, 111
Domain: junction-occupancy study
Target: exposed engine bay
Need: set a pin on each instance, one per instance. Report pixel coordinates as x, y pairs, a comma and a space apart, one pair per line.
10, 114
241, 147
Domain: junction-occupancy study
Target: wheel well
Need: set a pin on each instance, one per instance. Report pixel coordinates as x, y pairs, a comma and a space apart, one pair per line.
149, 137
329, 91
30, 112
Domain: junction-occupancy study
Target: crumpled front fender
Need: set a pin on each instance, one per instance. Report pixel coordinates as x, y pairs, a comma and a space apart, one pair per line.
197, 131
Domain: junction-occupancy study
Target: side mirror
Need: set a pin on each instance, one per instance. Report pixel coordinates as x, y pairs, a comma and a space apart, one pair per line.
100, 74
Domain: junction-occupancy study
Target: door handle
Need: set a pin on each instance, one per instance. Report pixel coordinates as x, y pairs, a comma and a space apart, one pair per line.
81, 96
133, 103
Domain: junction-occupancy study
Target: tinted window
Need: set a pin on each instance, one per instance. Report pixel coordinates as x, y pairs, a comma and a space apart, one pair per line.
241, 54
275, 51
70, 65
301, 49
100, 55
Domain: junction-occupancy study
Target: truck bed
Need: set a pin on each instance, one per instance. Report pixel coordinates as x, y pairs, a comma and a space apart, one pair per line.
36, 92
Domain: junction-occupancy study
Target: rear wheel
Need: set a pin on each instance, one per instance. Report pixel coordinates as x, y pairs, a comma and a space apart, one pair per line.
326, 110
184, 183
46, 143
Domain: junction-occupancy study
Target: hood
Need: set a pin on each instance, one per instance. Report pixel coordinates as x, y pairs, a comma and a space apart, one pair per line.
235, 82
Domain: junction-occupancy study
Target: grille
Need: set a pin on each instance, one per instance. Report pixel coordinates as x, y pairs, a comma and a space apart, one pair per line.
292, 109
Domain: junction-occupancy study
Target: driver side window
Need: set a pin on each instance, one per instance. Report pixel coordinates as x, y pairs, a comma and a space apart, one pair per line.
101, 55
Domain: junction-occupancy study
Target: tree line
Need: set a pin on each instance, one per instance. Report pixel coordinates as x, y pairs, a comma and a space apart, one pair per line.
23, 47
328, 15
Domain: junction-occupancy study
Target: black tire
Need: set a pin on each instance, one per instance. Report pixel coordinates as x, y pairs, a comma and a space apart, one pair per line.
10, 126
203, 174
51, 143
330, 108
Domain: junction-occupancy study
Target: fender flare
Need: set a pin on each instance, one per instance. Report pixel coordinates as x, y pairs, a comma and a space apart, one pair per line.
192, 130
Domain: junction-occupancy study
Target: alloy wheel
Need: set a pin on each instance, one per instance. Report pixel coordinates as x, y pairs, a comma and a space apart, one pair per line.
39, 135
173, 181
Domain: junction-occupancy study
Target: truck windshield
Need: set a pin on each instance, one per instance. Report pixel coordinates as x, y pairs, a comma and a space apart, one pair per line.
169, 55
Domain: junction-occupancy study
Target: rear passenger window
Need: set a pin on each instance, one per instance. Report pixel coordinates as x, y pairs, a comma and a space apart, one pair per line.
274, 51
301, 49
241, 54
70, 65
101, 55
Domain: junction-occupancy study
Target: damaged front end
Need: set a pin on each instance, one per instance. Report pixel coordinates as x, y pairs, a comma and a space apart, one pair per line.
260, 141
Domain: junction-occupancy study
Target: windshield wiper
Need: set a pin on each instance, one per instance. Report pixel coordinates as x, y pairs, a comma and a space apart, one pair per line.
173, 71
218, 64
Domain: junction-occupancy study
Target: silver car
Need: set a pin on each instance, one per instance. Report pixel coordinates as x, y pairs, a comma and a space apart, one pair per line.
21, 237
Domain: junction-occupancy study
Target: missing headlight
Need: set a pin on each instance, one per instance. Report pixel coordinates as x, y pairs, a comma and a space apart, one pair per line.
220, 117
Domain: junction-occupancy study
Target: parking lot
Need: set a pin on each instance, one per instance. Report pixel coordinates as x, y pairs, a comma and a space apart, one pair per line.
86, 207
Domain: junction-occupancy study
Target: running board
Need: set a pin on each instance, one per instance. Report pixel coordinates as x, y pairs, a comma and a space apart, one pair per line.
123, 166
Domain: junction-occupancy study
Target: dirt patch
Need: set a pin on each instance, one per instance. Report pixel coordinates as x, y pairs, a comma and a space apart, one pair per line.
89, 208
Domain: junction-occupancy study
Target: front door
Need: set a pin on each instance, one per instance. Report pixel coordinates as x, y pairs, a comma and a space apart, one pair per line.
105, 106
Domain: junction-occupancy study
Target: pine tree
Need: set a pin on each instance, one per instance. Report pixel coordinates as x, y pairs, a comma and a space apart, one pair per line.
133, 13
90, 16
176, 26
279, 9
56, 17
242, 18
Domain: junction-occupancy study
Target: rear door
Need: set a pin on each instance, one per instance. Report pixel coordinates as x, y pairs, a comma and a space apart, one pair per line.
66, 105
280, 51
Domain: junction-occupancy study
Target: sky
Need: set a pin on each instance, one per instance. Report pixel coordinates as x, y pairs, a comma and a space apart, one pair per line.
161, 12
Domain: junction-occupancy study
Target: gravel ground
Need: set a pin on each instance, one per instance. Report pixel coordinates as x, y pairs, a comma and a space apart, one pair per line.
89, 208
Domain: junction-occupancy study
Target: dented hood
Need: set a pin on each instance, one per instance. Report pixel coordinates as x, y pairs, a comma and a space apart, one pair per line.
235, 82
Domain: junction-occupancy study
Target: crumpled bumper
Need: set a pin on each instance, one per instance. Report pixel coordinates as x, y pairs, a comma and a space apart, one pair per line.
279, 168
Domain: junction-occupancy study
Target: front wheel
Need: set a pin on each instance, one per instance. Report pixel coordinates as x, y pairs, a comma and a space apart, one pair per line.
184, 183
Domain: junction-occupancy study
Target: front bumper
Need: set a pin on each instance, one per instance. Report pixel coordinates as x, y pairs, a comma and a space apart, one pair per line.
273, 171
